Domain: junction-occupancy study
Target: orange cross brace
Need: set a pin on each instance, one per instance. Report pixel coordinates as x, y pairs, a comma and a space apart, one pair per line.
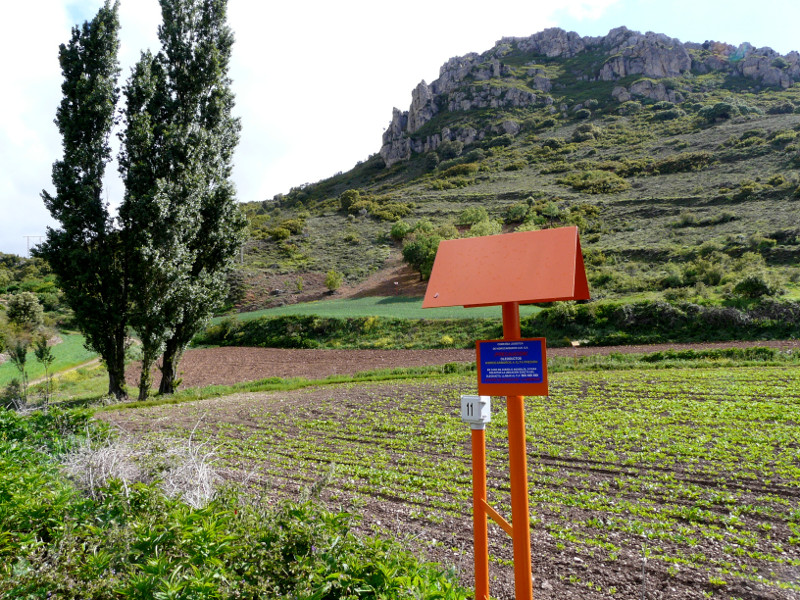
497, 518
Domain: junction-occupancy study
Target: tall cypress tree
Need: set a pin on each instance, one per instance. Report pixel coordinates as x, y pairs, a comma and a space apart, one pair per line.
196, 50
156, 219
86, 252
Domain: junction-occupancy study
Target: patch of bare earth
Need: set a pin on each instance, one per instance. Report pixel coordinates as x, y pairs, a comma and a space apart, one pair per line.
264, 290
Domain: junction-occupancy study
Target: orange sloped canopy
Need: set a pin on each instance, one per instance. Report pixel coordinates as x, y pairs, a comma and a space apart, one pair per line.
524, 267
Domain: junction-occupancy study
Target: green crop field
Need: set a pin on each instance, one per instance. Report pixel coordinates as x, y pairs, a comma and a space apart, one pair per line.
674, 479
69, 353
398, 307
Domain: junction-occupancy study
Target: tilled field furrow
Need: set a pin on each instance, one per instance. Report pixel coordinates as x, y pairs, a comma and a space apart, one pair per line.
669, 484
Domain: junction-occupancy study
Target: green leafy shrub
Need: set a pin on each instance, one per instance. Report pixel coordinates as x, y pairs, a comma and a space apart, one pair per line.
663, 105
783, 108
754, 286
400, 230
485, 227
558, 166
450, 149
24, 310
719, 111
280, 233
516, 213
747, 189
472, 215
631, 107
683, 162
131, 541
586, 132
447, 231
390, 211
500, 141
460, 170
295, 226
420, 253
347, 198
431, 161
668, 115
333, 280
595, 182
553, 143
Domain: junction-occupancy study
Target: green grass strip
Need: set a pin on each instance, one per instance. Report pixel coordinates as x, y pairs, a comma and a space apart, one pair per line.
395, 307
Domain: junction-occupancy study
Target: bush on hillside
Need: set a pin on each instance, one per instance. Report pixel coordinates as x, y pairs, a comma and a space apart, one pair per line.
754, 286
460, 170
516, 213
472, 215
449, 149
25, 311
595, 182
586, 132
683, 162
485, 227
668, 115
333, 280
399, 230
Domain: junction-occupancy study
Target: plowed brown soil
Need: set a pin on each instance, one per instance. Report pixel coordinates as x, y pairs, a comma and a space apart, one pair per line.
224, 366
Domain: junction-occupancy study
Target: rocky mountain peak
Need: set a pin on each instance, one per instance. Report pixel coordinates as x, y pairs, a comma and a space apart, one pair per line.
480, 81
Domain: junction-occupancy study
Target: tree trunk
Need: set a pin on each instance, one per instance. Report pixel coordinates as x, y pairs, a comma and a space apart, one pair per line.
169, 366
116, 382
145, 379
116, 366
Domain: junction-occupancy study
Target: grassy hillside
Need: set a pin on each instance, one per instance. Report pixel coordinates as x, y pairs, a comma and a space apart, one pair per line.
695, 200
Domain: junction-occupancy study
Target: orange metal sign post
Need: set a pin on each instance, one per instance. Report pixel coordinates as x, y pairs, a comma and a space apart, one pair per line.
509, 270
480, 525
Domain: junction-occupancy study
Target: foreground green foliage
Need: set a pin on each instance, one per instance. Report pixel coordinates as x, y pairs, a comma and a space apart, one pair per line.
136, 543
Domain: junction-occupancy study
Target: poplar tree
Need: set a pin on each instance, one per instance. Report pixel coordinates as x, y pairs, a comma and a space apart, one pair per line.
86, 252
161, 267
155, 220
184, 225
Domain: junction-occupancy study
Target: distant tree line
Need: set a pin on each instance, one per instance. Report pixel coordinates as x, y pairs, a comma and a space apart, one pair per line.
159, 267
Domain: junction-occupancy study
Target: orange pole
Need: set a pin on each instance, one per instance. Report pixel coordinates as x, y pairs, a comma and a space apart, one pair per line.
518, 467
481, 522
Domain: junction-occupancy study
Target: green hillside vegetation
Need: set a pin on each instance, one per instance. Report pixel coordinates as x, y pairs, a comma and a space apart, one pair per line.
692, 202
18, 274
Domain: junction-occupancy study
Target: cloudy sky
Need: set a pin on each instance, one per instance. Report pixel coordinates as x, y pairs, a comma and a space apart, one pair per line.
315, 80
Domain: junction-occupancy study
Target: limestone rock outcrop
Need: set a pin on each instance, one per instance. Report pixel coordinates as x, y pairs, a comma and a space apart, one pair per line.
486, 81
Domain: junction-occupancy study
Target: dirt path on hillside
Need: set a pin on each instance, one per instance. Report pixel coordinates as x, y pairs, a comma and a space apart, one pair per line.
225, 366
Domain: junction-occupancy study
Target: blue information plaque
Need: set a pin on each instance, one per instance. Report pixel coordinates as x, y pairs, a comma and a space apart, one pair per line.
512, 367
